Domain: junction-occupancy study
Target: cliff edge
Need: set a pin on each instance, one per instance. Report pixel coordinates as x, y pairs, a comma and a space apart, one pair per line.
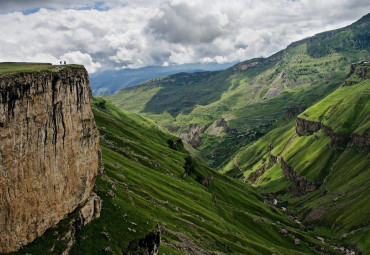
49, 149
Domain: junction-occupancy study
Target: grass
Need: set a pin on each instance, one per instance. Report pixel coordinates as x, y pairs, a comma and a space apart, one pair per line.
23, 67
219, 217
13, 67
339, 208
345, 110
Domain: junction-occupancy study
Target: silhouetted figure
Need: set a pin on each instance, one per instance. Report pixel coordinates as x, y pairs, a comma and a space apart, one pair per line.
65, 62
61, 62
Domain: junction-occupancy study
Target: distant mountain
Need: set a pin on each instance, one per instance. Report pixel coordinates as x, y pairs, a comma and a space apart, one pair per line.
109, 81
217, 112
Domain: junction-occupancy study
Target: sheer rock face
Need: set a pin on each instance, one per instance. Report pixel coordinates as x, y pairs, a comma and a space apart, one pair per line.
49, 151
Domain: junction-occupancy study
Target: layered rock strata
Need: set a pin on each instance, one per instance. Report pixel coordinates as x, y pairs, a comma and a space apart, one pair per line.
49, 150
339, 140
300, 185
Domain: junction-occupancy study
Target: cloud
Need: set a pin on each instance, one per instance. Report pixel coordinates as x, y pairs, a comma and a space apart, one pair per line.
122, 33
187, 24
77, 57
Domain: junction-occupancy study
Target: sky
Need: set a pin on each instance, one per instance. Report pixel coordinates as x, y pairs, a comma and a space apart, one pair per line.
121, 34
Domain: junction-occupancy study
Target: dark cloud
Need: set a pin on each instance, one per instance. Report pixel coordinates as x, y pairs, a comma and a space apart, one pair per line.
241, 46
181, 24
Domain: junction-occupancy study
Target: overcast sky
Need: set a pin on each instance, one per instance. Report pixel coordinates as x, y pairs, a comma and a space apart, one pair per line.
121, 33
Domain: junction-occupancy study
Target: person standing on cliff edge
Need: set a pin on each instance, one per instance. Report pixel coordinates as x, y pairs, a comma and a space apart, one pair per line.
65, 62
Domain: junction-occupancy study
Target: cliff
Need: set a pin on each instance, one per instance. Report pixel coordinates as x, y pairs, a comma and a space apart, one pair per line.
49, 150
300, 185
343, 116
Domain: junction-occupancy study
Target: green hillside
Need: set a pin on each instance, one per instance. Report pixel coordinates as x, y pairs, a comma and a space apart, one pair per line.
250, 96
151, 184
318, 166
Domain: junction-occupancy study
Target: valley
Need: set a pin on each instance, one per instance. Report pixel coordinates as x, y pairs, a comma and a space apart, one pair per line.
268, 156
251, 96
294, 125
152, 186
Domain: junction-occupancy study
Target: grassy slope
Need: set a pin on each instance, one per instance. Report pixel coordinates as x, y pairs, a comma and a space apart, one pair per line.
341, 205
308, 71
347, 109
150, 190
142, 187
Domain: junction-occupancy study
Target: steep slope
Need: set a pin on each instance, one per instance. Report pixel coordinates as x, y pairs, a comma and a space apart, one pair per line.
154, 194
251, 96
322, 161
49, 148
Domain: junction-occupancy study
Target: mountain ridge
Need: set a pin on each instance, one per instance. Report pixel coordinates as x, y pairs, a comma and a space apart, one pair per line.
311, 161
250, 96
110, 81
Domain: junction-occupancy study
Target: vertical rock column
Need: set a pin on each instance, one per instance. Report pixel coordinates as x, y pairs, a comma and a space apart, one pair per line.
49, 147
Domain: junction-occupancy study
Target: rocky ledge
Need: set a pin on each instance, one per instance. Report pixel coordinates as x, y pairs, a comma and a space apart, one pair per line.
49, 150
300, 185
88, 212
339, 140
193, 137
148, 245
358, 72
257, 62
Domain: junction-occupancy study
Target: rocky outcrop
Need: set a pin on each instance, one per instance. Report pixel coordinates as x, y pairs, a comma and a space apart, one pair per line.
253, 177
300, 185
293, 112
273, 159
307, 127
207, 181
193, 137
217, 127
273, 92
257, 62
360, 142
358, 70
88, 212
183, 243
148, 245
49, 151
339, 140
220, 126
247, 65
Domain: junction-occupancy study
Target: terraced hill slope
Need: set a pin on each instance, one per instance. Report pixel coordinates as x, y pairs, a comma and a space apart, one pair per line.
218, 112
319, 165
154, 194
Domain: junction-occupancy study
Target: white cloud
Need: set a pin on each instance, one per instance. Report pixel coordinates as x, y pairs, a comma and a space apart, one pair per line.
163, 32
77, 57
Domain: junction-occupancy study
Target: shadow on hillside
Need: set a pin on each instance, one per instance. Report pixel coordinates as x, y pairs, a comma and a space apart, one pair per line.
182, 92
